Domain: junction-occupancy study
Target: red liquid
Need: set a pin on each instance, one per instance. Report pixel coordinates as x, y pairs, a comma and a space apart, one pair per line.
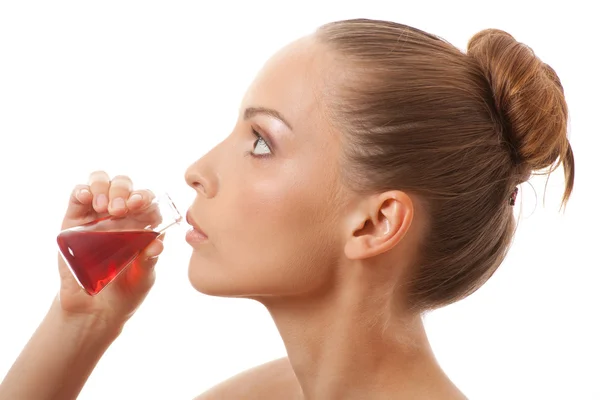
96, 258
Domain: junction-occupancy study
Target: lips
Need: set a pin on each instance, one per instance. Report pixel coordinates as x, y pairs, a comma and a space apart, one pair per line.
193, 224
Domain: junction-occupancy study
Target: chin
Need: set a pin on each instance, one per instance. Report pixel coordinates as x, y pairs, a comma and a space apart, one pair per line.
250, 281
208, 283
217, 280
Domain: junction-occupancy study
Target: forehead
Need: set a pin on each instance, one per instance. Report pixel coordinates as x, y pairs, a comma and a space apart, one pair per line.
293, 82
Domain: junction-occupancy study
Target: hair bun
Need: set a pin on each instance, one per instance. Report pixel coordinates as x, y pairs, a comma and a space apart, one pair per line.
530, 100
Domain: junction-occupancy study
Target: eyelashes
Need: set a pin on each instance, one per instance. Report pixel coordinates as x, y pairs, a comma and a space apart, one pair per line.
260, 148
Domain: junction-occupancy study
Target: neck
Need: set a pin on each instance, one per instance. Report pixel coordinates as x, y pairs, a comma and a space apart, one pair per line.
348, 344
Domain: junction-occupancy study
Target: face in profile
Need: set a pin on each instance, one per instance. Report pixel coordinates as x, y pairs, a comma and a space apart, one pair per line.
268, 197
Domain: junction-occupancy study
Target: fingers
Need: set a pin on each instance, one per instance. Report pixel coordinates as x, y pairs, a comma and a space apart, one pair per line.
116, 196
102, 197
139, 199
99, 183
118, 193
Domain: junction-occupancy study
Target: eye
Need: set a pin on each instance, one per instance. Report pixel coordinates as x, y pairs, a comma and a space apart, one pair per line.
260, 147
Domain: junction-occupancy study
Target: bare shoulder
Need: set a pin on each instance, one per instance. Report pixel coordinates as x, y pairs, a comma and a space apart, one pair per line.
273, 380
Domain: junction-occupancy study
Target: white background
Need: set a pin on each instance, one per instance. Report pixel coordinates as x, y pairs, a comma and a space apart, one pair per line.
145, 88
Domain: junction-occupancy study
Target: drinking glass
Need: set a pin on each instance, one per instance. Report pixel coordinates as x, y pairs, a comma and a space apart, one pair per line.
98, 251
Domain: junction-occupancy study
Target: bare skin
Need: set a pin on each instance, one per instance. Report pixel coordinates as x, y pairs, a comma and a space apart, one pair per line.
338, 306
273, 380
280, 227
78, 328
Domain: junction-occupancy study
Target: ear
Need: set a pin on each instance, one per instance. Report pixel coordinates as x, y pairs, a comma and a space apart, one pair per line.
378, 224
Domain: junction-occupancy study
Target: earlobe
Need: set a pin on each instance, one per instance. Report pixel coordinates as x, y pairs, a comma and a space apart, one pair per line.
379, 225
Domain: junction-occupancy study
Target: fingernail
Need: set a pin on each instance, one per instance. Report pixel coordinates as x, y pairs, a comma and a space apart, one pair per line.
118, 203
135, 197
82, 194
101, 201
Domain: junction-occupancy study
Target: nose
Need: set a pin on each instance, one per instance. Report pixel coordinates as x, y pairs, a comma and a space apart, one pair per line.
201, 178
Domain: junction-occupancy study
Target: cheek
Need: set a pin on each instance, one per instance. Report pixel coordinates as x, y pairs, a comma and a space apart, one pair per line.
282, 200
277, 233
267, 212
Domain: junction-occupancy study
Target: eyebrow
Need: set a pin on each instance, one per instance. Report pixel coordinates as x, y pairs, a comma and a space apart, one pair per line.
252, 111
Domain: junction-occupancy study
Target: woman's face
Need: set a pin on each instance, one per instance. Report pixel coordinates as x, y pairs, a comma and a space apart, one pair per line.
268, 196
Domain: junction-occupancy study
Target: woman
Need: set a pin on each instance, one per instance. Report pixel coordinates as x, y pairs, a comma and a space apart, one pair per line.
370, 177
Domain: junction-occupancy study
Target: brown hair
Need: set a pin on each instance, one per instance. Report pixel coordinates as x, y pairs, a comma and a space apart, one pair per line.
460, 131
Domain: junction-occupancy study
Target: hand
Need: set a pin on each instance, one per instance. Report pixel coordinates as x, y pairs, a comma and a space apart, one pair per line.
117, 302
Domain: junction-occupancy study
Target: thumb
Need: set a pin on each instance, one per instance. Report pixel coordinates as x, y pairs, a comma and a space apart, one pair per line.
149, 257
140, 275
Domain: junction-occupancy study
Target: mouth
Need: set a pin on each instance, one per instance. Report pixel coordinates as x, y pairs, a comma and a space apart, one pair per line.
195, 234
